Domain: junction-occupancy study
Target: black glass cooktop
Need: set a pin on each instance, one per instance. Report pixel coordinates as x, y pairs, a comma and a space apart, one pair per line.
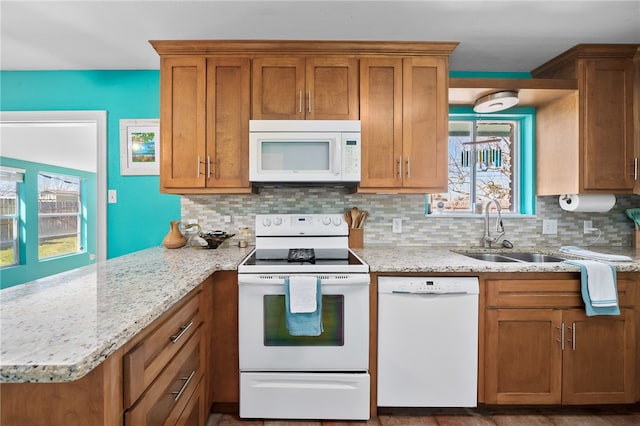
349, 260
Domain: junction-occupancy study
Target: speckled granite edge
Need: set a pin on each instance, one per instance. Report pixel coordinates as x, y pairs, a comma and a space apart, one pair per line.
438, 260
85, 315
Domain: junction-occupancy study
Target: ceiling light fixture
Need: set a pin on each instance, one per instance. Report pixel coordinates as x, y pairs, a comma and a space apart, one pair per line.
495, 102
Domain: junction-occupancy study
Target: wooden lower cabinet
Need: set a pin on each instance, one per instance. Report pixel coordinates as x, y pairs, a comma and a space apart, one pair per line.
598, 361
223, 368
95, 399
165, 365
196, 412
541, 348
165, 400
524, 361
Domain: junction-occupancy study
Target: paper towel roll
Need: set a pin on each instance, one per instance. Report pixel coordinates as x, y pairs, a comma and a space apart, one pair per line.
597, 203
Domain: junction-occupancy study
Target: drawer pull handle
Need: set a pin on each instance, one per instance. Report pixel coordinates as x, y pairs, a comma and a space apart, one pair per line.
573, 336
183, 329
561, 341
178, 394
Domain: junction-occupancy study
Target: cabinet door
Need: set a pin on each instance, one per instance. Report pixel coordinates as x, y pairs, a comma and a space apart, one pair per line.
608, 123
523, 356
182, 122
331, 89
278, 88
228, 98
425, 118
381, 120
599, 358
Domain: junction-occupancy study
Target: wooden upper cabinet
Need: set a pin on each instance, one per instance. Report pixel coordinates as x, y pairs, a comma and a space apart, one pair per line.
585, 141
381, 110
204, 124
425, 123
182, 122
312, 88
608, 123
228, 97
404, 115
210, 89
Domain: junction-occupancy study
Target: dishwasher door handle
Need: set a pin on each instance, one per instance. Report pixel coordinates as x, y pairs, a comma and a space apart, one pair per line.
434, 293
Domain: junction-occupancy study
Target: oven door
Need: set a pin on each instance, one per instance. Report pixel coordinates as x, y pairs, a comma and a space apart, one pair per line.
266, 345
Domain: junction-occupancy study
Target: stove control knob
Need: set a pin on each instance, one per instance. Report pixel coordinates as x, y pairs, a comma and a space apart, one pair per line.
266, 221
337, 221
277, 221
326, 220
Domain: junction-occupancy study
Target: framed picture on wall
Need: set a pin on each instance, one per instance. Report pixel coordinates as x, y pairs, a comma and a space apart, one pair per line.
140, 147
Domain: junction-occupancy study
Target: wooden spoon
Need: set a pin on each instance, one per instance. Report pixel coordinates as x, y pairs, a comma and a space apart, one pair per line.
363, 217
347, 218
355, 217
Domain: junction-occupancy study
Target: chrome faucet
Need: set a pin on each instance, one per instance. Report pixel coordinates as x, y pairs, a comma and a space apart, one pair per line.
487, 239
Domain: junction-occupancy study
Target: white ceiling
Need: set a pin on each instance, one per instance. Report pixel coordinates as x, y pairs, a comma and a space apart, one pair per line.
503, 35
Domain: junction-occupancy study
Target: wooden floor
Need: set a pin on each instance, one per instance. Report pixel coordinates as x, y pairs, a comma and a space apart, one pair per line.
550, 416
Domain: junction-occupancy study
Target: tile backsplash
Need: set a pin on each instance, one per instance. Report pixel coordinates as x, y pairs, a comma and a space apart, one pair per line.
417, 229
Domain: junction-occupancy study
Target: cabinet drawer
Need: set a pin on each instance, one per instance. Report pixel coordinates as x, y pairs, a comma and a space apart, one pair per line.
547, 293
145, 361
167, 397
195, 412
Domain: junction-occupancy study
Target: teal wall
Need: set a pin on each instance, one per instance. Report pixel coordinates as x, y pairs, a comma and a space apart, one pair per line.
140, 218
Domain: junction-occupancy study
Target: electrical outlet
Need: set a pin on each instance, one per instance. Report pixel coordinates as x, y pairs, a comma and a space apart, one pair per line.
227, 219
550, 226
588, 224
396, 228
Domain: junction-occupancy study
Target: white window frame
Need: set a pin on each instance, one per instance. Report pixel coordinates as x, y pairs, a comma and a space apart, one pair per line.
13, 174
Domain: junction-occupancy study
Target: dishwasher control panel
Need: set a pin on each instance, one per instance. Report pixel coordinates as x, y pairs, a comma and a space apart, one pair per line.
428, 285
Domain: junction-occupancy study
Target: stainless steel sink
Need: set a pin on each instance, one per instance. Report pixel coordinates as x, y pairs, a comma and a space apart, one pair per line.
534, 257
489, 257
515, 257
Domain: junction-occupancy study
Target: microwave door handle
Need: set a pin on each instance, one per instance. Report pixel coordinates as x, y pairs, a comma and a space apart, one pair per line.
337, 161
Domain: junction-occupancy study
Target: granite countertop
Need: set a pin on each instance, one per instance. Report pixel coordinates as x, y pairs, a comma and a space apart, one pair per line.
444, 260
59, 328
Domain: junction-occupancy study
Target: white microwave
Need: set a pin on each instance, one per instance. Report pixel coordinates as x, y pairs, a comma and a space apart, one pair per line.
299, 151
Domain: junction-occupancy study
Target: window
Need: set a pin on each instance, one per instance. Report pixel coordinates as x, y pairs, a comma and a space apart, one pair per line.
59, 215
10, 181
489, 158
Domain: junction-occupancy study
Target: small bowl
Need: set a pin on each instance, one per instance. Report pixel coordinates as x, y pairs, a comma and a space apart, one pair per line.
216, 238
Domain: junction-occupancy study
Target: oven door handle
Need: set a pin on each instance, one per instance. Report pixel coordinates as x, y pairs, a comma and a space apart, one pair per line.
353, 279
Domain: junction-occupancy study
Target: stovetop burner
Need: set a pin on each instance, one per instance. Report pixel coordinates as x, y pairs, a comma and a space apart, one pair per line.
302, 255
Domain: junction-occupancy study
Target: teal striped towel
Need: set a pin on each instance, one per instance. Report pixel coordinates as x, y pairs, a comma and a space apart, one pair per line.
303, 323
598, 287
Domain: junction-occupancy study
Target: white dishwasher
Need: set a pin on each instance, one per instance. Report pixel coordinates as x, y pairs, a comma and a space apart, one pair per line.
427, 341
